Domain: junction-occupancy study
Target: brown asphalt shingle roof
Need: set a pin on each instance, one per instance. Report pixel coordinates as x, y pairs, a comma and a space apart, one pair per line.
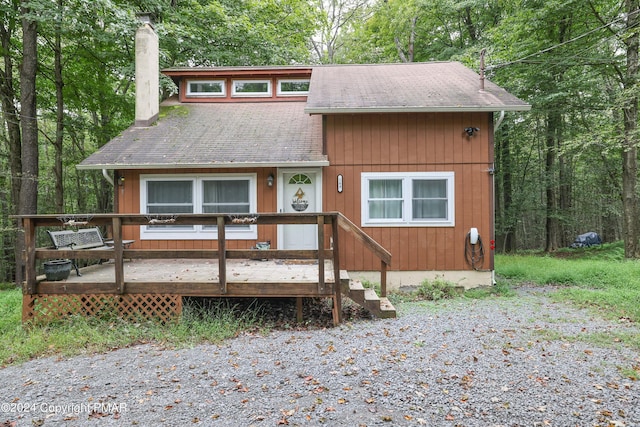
237, 134
215, 135
407, 87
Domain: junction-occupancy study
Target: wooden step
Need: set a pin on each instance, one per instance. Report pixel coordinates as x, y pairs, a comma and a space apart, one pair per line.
369, 299
356, 292
387, 310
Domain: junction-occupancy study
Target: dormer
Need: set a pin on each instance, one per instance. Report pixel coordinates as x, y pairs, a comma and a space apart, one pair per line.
248, 84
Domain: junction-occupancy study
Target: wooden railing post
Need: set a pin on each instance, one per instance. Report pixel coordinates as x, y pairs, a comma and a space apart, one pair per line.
222, 255
118, 249
30, 255
383, 279
321, 279
337, 286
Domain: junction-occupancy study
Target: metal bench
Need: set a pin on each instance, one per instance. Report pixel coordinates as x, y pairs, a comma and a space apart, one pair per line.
85, 238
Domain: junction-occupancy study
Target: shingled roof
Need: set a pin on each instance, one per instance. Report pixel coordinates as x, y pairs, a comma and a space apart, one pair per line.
410, 87
279, 134
218, 135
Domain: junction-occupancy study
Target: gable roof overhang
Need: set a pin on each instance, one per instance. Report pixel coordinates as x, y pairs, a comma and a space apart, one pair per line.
405, 88
216, 136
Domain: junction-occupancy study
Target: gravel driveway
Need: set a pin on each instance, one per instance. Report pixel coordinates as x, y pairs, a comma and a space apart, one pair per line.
524, 361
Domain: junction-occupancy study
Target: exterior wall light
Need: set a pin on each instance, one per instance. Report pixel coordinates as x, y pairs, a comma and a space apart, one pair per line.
470, 131
270, 180
121, 181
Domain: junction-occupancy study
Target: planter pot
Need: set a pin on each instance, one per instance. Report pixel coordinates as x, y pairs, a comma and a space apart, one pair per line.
57, 269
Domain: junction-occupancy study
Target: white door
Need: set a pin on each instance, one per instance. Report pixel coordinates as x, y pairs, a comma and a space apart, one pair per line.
299, 194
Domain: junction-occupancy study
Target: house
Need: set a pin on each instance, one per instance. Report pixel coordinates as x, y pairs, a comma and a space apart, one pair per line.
405, 151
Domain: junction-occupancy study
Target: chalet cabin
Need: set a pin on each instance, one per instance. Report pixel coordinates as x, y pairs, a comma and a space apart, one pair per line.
404, 151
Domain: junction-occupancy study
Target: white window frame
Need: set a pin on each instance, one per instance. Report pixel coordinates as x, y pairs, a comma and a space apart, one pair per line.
407, 196
280, 92
198, 232
222, 94
251, 94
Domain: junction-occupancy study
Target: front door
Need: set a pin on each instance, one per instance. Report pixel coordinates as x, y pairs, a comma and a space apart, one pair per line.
300, 191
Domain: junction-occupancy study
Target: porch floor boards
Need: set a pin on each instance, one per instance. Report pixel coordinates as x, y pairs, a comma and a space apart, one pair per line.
197, 277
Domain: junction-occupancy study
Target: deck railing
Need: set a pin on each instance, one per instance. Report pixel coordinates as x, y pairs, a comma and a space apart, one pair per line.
329, 225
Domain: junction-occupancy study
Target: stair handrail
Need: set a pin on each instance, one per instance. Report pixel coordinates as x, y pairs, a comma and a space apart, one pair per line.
375, 247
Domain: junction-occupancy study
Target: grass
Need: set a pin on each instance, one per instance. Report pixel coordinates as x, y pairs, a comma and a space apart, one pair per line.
598, 278
79, 334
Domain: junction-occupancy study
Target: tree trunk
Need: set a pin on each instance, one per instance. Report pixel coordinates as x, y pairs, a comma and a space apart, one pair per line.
11, 116
11, 120
566, 203
503, 154
59, 83
630, 152
552, 227
28, 200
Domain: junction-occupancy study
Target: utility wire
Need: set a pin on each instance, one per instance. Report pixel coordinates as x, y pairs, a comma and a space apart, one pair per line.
548, 49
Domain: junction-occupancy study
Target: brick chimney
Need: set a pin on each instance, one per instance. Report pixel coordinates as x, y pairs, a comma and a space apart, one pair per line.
147, 73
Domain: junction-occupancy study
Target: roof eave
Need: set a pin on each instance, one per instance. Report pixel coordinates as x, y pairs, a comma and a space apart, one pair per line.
235, 165
449, 109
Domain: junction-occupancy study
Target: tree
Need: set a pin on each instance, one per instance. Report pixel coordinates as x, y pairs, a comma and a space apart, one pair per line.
630, 147
28, 198
337, 18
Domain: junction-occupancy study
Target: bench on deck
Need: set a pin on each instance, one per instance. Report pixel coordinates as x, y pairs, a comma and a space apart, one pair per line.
85, 238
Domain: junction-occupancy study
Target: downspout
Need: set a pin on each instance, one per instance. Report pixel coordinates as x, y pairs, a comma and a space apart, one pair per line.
107, 177
493, 189
499, 122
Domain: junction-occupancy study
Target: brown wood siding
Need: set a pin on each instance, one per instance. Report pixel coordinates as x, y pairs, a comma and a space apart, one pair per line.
129, 202
426, 142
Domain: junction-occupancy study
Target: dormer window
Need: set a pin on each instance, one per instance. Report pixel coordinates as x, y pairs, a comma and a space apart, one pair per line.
251, 88
206, 88
293, 87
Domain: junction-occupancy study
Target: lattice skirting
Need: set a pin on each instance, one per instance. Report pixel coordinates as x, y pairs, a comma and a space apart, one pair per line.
42, 308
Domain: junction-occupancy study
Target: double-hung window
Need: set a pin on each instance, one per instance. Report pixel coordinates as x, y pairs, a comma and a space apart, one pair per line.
408, 199
165, 197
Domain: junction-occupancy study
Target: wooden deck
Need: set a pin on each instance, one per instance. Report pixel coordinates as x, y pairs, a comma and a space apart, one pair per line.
199, 277
155, 280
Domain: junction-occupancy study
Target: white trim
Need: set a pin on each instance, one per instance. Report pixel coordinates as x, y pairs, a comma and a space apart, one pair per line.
407, 180
228, 165
279, 91
416, 109
251, 94
280, 188
222, 94
198, 232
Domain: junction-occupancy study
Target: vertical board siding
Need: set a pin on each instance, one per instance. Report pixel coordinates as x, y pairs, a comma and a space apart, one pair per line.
413, 142
129, 196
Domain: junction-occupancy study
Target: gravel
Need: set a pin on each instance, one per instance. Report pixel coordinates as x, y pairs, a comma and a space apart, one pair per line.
525, 361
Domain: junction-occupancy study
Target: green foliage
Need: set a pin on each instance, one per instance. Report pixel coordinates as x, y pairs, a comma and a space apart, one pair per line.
265, 32
79, 334
599, 279
437, 289
502, 288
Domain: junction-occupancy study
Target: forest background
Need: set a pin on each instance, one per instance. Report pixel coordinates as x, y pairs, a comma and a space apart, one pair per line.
568, 166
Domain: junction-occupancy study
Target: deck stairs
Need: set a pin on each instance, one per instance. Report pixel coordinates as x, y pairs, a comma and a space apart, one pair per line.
380, 307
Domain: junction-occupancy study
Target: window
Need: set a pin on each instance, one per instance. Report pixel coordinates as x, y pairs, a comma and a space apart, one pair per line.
206, 88
163, 197
224, 196
408, 199
293, 87
251, 88
169, 197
